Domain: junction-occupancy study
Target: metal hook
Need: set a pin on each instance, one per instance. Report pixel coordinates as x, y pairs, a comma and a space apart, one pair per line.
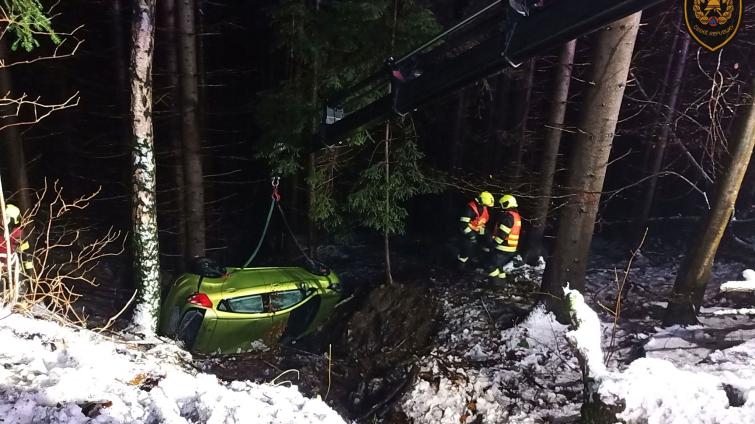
275, 182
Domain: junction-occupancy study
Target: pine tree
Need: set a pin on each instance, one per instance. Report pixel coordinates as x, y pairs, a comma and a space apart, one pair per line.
194, 194
552, 141
27, 20
587, 168
331, 45
693, 275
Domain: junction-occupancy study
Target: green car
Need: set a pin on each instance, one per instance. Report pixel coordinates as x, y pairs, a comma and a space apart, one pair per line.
244, 309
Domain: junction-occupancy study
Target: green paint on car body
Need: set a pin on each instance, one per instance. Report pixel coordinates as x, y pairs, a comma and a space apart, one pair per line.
249, 306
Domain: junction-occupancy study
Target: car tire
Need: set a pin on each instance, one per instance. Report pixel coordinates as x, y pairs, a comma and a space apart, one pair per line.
188, 328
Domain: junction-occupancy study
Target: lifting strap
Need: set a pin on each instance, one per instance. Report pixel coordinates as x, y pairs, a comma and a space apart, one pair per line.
275, 203
309, 260
275, 198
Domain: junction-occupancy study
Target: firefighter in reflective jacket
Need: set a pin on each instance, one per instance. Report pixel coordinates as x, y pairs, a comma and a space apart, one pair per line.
15, 234
505, 236
473, 221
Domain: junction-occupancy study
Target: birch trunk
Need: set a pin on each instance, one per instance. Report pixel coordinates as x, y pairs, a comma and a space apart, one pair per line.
587, 169
689, 287
143, 199
553, 131
190, 129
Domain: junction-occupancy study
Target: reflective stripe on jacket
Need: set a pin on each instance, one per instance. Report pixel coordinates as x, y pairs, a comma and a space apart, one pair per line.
507, 238
477, 219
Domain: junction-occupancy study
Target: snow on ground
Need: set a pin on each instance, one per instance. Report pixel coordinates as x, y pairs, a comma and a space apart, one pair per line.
529, 374
719, 390
52, 374
523, 374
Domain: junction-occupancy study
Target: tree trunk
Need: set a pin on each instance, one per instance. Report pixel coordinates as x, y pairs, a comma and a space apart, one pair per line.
459, 128
498, 122
746, 200
14, 160
119, 62
659, 147
386, 234
600, 112
146, 246
311, 199
120, 33
553, 130
693, 275
190, 131
521, 115
167, 11
656, 107
312, 159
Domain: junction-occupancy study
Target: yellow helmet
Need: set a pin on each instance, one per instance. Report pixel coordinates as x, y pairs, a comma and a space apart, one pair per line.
507, 201
12, 213
486, 198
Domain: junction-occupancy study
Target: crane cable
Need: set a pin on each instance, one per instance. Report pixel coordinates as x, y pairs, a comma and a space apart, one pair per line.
315, 266
275, 196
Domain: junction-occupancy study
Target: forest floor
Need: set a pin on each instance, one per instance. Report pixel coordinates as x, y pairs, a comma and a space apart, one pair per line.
443, 346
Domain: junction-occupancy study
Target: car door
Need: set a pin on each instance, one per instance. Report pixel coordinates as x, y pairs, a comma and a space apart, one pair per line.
293, 309
243, 322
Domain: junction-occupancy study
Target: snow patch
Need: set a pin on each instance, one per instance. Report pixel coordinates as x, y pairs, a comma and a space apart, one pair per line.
54, 374
506, 382
746, 285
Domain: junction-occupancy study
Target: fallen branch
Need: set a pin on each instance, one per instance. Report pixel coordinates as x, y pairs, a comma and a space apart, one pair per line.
115, 317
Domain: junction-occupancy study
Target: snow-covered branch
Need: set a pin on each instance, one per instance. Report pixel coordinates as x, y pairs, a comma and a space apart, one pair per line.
746, 285
585, 337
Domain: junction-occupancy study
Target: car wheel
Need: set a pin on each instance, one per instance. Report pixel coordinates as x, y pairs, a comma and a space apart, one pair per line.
188, 328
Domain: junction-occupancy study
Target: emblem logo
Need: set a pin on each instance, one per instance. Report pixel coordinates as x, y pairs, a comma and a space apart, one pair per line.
712, 23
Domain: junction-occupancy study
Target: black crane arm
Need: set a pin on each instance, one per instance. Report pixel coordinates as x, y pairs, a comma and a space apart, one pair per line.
558, 23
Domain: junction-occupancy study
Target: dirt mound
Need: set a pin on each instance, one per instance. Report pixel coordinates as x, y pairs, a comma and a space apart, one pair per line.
395, 323
378, 346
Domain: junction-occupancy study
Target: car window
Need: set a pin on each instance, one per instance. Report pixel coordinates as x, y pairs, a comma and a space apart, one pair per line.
285, 299
243, 305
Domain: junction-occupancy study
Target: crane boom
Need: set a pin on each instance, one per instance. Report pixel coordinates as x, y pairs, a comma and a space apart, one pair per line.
558, 23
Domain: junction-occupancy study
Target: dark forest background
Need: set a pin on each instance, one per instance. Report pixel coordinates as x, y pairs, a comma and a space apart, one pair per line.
470, 138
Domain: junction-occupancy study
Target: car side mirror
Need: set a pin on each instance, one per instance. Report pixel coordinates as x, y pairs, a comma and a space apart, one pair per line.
206, 267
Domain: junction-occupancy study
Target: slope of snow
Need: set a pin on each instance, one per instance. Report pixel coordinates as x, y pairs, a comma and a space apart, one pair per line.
52, 374
720, 389
528, 373
524, 374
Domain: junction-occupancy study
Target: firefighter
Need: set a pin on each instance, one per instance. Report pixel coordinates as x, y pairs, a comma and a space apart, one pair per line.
15, 234
12, 217
505, 236
473, 221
